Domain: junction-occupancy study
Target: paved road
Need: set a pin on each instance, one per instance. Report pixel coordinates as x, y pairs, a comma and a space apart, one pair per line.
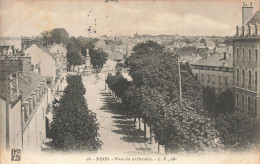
117, 133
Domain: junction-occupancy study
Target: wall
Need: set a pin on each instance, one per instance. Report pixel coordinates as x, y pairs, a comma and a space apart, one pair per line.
219, 86
2, 124
244, 89
35, 131
47, 63
15, 125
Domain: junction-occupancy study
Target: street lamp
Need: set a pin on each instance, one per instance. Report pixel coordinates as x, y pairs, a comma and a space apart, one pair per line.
179, 80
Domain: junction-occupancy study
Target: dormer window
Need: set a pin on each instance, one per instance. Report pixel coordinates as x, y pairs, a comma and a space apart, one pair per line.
249, 31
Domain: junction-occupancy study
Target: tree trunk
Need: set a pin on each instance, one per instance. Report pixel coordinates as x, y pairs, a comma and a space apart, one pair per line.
139, 119
144, 130
158, 147
151, 138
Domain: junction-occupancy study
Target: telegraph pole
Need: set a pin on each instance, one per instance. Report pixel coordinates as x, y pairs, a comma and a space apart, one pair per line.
179, 81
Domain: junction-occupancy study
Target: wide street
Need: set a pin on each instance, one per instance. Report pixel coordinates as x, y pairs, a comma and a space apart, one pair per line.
118, 134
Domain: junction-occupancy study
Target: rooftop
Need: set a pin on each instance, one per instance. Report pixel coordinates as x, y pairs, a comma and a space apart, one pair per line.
28, 87
255, 19
216, 61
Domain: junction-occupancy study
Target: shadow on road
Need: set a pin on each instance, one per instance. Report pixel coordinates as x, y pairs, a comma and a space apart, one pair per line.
125, 126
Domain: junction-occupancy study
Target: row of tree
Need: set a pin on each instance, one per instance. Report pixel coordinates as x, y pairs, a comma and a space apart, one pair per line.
203, 121
74, 126
154, 96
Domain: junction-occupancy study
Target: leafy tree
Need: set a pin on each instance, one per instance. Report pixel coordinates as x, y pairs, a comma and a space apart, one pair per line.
226, 102
118, 84
60, 35
74, 56
98, 58
186, 130
74, 126
156, 88
216, 104
85, 43
210, 100
57, 35
238, 131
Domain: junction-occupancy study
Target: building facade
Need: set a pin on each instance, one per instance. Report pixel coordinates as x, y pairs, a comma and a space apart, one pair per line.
43, 62
246, 45
24, 105
215, 71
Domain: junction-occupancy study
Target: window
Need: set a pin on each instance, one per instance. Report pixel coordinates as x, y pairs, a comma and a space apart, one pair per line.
249, 77
255, 78
256, 31
249, 31
243, 101
243, 54
237, 97
219, 79
237, 53
255, 106
237, 75
209, 78
202, 77
256, 55
249, 105
213, 78
226, 80
249, 54
243, 76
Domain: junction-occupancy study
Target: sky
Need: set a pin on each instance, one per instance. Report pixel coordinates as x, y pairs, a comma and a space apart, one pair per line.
182, 17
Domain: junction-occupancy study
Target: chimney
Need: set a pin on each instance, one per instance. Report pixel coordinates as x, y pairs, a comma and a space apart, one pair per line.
25, 67
247, 13
25, 64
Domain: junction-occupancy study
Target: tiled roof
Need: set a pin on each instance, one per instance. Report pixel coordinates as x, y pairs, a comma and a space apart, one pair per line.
28, 87
215, 60
255, 19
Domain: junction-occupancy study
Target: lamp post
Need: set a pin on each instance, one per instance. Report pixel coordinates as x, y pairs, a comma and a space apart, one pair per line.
179, 81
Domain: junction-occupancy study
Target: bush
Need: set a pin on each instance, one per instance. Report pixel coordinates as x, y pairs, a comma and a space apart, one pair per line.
216, 104
237, 130
186, 130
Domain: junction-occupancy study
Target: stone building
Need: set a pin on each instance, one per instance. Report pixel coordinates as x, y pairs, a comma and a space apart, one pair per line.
246, 45
24, 105
215, 71
43, 61
60, 52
